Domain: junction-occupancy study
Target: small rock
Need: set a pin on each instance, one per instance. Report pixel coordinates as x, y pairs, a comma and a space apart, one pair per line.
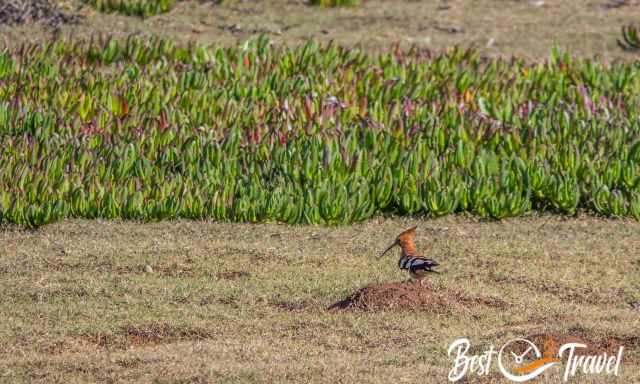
148, 269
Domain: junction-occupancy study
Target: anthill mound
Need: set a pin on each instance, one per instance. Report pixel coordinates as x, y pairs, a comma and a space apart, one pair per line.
409, 296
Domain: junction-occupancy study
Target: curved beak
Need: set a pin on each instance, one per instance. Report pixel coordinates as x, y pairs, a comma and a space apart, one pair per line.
388, 249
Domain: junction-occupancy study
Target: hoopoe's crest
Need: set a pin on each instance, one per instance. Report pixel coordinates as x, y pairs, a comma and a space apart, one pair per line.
405, 241
417, 266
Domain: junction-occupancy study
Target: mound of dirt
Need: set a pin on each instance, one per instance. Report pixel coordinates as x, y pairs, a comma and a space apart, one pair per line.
412, 297
15, 12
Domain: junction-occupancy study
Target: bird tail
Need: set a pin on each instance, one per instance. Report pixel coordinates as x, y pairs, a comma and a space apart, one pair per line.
430, 263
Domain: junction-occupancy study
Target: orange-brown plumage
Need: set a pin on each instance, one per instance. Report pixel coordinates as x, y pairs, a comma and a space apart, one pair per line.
405, 241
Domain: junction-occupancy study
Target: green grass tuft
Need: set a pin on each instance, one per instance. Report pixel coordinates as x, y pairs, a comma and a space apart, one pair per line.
630, 38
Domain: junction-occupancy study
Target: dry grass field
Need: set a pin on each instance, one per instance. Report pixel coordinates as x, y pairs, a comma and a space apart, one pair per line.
526, 28
228, 303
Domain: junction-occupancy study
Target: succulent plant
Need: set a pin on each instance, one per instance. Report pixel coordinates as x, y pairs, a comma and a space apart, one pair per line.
145, 129
630, 38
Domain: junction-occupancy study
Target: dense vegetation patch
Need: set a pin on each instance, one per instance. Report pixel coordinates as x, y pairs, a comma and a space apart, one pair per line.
145, 130
141, 8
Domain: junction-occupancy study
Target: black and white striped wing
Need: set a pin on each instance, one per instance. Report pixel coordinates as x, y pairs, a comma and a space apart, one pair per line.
422, 264
416, 263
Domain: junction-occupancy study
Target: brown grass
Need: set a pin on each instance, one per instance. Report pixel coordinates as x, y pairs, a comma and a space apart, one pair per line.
497, 27
128, 336
551, 342
78, 307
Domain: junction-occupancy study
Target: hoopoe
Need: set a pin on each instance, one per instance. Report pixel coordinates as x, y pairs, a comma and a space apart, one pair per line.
417, 266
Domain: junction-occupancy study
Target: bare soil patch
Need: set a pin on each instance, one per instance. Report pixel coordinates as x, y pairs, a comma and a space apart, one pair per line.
412, 297
551, 342
581, 295
131, 335
232, 275
53, 348
288, 306
174, 270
